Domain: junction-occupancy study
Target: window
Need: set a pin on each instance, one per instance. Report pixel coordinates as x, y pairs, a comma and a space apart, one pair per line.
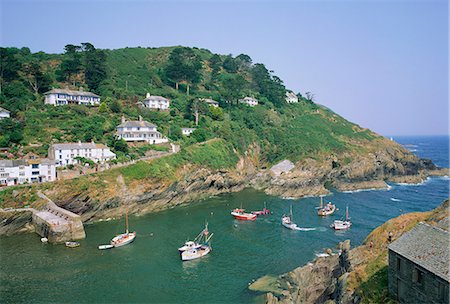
442, 292
399, 264
35, 166
35, 173
418, 276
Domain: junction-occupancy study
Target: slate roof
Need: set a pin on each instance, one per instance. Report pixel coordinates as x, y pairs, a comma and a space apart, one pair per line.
4, 110
69, 146
159, 98
426, 246
71, 92
8, 163
209, 101
136, 124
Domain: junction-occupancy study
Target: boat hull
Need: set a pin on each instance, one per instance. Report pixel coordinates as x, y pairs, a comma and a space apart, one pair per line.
324, 212
244, 216
123, 239
193, 254
341, 225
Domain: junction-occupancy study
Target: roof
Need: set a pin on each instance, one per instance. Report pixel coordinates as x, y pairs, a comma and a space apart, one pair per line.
249, 99
78, 145
426, 246
71, 92
136, 124
4, 110
8, 163
209, 100
189, 129
152, 97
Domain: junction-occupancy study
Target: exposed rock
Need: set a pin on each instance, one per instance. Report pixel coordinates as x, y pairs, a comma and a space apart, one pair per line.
15, 222
282, 167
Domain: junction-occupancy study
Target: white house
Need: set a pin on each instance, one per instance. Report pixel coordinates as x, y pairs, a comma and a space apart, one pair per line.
156, 102
21, 171
210, 102
187, 131
4, 113
250, 101
65, 153
58, 97
139, 131
291, 97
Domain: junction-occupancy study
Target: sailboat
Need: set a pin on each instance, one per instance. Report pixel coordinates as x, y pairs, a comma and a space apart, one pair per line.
198, 248
342, 225
124, 238
327, 210
265, 211
286, 221
240, 214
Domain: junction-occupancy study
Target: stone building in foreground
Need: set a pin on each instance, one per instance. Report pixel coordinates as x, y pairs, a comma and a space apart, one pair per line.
419, 266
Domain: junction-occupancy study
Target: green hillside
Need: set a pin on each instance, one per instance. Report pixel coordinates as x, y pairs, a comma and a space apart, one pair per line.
122, 77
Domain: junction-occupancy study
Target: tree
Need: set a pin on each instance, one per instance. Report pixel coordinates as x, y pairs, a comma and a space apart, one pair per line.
184, 65
269, 86
115, 106
71, 64
9, 66
11, 132
230, 65
215, 63
38, 81
232, 86
94, 66
120, 145
310, 96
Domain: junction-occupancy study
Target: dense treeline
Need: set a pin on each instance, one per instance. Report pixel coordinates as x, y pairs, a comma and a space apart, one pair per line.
123, 76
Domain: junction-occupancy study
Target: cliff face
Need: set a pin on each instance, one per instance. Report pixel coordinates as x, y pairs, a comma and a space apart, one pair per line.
355, 275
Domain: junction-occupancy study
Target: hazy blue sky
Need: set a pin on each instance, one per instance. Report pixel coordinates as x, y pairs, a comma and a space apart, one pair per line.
381, 64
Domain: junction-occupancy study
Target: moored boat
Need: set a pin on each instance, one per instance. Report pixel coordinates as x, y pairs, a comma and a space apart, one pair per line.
327, 210
342, 224
72, 244
240, 214
265, 211
287, 221
198, 248
124, 238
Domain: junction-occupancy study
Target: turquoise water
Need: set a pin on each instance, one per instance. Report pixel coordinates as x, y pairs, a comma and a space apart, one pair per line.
149, 270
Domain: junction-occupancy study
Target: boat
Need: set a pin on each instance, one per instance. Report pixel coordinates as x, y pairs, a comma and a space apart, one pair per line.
340, 224
199, 248
102, 247
44, 240
124, 238
72, 244
240, 214
327, 210
265, 211
286, 221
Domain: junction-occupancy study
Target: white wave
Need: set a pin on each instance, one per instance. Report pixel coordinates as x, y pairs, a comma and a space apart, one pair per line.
395, 199
414, 184
413, 150
304, 229
322, 255
288, 198
369, 189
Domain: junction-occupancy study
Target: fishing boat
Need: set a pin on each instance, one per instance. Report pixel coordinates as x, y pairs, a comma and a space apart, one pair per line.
240, 214
197, 248
72, 244
265, 211
124, 238
342, 225
286, 221
327, 210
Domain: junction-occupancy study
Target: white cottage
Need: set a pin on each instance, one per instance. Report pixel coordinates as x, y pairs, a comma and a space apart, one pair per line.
4, 113
139, 131
156, 102
187, 131
65, 153
250, 101
210, 102
58, 97
21, 171
291, 97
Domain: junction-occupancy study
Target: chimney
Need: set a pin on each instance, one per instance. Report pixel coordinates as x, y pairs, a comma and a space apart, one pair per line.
79, 142
123, 119
147, 96
140, 118
81, 89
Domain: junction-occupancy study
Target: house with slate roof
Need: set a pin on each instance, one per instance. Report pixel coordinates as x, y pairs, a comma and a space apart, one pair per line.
58, 97
210, 102
156, 102
4, 113
419, 269
21, 171
250, 101
66, 153
139, 131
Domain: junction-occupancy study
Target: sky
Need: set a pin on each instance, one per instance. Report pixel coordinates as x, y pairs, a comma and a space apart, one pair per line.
381, 64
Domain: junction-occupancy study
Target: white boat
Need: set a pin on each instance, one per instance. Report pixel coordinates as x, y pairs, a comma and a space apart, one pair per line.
198, 248
72, 244
340, 224
102, 247
286, 221
327, 210
124, 238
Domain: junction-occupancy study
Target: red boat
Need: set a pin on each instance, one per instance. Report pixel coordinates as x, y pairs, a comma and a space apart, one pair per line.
265, 211
239, 214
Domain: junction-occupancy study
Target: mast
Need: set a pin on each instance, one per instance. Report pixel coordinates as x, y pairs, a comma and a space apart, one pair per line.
126, 221
292, 218
321, 202
346, 213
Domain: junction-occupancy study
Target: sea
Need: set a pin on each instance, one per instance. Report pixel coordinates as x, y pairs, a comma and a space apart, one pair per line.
150, 270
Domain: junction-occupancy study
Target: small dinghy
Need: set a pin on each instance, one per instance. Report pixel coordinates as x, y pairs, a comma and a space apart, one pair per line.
72, 244
198, 249
103, 247
265, 211
342, 225
44, 240
327, 210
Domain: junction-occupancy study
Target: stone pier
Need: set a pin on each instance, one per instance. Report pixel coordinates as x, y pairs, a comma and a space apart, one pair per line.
57, 224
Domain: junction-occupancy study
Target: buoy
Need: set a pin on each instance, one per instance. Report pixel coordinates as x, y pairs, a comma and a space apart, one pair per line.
44, 240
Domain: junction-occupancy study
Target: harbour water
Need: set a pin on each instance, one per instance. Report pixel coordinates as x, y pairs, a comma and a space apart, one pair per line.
150, 270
